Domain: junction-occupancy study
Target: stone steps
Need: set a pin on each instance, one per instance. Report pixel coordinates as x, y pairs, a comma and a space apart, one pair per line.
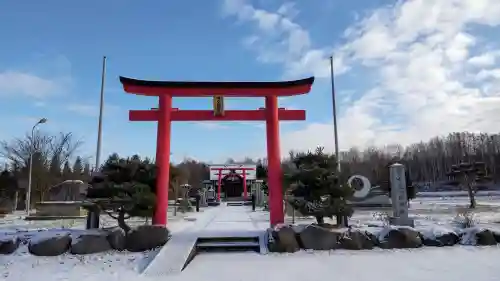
226, 244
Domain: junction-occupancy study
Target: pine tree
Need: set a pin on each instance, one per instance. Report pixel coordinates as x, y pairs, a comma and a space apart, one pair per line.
67, 174
78, 168
55, 167
317, 190
86, 172
126, 187
261, 174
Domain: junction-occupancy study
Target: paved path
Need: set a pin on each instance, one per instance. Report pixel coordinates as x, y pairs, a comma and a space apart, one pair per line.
231, 221
213, 222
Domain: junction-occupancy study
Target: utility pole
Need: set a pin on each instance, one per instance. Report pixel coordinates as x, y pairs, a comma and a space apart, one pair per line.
101, 109
334, 105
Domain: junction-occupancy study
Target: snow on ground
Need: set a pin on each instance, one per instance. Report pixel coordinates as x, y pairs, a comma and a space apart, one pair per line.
16, 221
23, 266
441, 264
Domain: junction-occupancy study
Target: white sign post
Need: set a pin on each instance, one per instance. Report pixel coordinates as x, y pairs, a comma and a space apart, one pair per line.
399, 197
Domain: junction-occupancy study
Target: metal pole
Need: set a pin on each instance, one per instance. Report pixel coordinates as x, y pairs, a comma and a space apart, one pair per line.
28, 193
334, 105
30, 169
101, 109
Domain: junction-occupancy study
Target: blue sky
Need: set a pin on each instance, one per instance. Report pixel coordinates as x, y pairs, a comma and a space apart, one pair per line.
51, 59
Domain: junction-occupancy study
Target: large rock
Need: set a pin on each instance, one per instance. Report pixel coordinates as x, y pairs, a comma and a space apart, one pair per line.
496, 234
485, 237
439, 237
400, 238
8, 244
318, 238
116, 238
90, 242
357, 240
477, 236
49, 243
146, 237
283, 240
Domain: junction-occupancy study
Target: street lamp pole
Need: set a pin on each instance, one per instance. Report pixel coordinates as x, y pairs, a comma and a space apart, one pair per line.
30, 170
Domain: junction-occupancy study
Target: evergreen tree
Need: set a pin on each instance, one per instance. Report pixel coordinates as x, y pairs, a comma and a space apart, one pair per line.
261, 174
67, 173
78, 168
126, 187
8, 185
316, 188
86, 172
55, 168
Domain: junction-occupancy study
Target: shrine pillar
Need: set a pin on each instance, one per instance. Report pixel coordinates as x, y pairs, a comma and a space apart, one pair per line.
245, 189
274, 161
219, 183
163, 159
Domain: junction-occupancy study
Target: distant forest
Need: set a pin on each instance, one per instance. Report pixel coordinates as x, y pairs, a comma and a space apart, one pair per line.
57, 158
429, 161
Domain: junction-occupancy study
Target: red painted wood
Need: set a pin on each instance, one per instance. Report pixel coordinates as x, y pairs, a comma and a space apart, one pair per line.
219, 182
274, 177
227, 92
163, 160
207, 115
245, 192
223, 169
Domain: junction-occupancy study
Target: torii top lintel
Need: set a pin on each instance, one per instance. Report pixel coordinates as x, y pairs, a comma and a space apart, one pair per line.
229, 89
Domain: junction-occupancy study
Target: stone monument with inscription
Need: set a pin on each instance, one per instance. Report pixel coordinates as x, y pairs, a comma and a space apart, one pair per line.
399, 197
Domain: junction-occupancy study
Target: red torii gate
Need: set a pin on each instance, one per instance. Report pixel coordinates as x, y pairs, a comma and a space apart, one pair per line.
165, 114
244, 174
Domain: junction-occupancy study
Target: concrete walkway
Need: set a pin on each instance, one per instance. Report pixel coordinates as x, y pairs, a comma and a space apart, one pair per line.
221, 221
231, 221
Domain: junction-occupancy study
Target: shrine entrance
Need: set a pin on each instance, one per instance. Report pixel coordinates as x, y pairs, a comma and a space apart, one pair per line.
232, 185
164, 114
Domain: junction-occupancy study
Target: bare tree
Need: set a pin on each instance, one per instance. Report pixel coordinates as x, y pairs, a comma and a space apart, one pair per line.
45, 149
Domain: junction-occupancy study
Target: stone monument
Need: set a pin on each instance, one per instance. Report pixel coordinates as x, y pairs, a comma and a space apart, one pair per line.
203, 197
399, 197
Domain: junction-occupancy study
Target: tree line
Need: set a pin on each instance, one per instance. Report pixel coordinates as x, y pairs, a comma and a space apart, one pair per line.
428, 161
56, 158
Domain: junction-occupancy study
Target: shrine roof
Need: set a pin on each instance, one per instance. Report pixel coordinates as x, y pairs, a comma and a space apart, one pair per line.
234, 89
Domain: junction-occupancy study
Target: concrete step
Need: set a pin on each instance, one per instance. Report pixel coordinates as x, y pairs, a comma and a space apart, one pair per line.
226, 244
228, 239
223, 244
239, 203
240, 198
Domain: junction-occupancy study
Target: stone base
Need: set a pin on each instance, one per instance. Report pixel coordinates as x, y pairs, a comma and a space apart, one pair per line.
402, 221
50, 218
59, 208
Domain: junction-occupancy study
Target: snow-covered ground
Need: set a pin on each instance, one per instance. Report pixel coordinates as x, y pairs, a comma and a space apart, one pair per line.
442, 264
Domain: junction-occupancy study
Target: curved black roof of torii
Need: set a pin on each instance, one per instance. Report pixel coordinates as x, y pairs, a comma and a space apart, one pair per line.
218, 84
202, 88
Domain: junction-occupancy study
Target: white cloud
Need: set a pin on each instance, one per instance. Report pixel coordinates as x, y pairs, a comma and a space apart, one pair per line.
208, 125
90, 110
278, 39
14, 83
484, 60
422, 54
